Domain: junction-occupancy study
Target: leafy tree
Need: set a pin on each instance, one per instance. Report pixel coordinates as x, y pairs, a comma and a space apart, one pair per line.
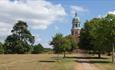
60, 44
92, 36
20, 29
74, 43
38, 49
48, 50
1, 48
98, 35
109, 21
85, 38
20, 40
56, 42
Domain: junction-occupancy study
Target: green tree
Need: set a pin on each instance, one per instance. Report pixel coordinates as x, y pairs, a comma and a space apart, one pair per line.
85, 38
93, 36
1, 48
73, 43
109, 21
56, 43
98, 35
38, 49
66, 45
20, 40
60, 44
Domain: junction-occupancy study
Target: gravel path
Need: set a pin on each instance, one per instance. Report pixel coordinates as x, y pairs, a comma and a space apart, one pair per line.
83, 64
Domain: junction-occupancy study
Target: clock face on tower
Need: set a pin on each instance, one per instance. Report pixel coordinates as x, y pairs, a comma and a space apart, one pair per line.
75, 31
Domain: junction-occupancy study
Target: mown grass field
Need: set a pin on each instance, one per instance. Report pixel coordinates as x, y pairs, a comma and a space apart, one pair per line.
34, 62
47, 62
105, 63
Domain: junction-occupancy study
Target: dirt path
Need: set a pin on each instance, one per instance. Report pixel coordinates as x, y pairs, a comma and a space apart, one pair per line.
83, 64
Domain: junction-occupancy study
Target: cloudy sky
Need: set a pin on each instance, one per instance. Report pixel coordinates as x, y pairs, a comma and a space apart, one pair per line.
48, 17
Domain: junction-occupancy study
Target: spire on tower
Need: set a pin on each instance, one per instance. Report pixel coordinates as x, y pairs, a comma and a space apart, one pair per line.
75, 14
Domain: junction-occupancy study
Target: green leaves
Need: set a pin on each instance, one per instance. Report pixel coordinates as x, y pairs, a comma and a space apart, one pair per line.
60, 43
1, 48
98, 34
20, 40
38, 49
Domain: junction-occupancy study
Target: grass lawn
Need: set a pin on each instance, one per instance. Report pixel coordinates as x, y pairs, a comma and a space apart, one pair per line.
49, 62
108, 66
34, 62
105, 64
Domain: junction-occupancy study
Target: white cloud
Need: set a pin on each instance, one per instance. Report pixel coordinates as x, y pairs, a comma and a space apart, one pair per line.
78, 9
39, 14
38, 39
111, 12
46, 45
4, 31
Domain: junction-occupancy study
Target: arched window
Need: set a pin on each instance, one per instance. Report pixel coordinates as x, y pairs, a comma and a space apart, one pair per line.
76, 25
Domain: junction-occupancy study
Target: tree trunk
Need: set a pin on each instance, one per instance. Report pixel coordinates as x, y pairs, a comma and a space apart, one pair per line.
113, 54
99, 55
64, 55
57, 56
109, 54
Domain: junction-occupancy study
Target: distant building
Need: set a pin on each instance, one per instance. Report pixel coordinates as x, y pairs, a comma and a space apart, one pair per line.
75, 31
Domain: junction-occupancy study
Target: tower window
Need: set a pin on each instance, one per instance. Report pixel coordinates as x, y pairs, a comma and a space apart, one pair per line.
76, 25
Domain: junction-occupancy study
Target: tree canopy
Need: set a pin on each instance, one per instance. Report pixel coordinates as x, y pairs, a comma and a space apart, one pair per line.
1, 48
98, 34
63, 44
38, 49
20, 40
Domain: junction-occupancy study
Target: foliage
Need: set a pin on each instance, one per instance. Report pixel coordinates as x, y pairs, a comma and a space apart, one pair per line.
74, 43
60, 44
98, 34
85, 38
56, 43
48, 50
38, 49
1, 48
20, 40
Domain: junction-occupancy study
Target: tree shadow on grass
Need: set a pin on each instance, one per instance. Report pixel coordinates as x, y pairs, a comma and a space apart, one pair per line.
92, 61
47, 61
86, 57
89, 59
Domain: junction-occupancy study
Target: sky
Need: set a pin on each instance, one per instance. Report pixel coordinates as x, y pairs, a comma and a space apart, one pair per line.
45, 18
